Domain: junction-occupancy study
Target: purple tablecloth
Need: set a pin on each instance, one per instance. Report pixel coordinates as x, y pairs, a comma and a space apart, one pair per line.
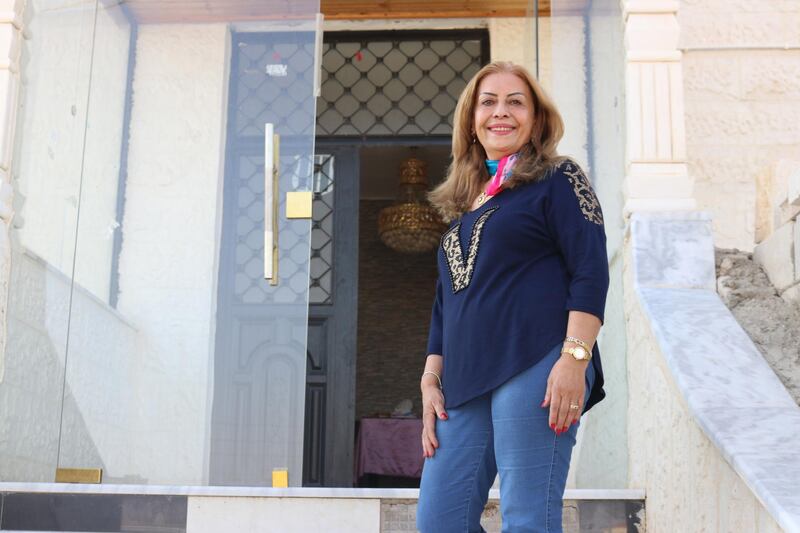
389, 446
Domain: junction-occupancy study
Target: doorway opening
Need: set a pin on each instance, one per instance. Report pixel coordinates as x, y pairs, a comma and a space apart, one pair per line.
385, 97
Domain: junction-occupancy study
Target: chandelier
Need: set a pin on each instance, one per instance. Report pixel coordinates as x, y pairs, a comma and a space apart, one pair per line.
411, 225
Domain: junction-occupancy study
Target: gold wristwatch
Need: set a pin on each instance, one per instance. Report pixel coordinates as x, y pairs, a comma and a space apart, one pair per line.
578, 352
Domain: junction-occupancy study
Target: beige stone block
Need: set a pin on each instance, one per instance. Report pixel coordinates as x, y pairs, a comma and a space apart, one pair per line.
793, 194
770, 75
10, 6
651, 32
710, 76
658, 187
792, 294
796, 225
742, 123
730, 27
732, 209
764, 219
777, 196
776, 255
511, 40
289, 515
780, 187
9, 46
785, 202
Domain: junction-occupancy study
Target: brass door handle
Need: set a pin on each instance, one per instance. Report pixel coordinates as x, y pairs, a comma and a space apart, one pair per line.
271, 178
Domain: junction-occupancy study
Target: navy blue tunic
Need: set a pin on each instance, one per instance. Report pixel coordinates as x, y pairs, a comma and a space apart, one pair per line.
509, 273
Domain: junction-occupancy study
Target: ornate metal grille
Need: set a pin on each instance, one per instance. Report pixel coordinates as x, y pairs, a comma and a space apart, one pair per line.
273, 85
321, 268
395, 83
249, 284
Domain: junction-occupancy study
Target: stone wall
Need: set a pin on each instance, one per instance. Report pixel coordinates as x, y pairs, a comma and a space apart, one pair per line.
777, 227
395, 295
741, 69
168, 263
62, 166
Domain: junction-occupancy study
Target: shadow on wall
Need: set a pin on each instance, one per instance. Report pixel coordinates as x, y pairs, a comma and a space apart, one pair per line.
31, 389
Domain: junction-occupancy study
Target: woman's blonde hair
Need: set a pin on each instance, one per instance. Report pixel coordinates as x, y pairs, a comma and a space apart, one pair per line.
467, 173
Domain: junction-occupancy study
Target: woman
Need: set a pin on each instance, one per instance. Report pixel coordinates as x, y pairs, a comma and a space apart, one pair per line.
523, 276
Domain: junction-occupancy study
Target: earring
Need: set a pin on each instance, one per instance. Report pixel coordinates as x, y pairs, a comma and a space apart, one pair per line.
474, 138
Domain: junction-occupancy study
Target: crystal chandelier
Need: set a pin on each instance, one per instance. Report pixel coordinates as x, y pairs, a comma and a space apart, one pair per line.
411, 225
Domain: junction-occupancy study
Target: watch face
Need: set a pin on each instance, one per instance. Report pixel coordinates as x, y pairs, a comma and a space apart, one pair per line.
581, 353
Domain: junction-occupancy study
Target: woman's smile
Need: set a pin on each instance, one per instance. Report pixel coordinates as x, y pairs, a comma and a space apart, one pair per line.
501, 129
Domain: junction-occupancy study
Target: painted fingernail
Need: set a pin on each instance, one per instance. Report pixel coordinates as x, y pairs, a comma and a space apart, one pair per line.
553, 427
444, 416
565, 428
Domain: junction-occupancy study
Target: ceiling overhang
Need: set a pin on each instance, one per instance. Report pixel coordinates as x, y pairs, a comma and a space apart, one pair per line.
171, 11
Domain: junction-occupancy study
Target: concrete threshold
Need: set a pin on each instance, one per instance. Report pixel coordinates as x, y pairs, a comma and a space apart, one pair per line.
290, 492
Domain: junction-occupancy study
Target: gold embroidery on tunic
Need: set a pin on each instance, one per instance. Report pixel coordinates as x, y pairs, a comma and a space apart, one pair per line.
587, 199
461, 271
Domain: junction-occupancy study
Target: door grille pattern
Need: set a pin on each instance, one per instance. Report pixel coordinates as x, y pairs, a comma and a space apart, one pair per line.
321, 278
249, 284
379, 85
272, 85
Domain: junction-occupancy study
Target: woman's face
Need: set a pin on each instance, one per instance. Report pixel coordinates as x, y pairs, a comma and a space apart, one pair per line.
503, 114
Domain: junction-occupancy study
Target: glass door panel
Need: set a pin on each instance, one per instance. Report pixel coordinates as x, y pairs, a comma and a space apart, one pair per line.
187, 349
46, 169
584, 62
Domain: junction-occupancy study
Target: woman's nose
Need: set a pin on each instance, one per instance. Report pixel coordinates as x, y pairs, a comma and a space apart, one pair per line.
500, 111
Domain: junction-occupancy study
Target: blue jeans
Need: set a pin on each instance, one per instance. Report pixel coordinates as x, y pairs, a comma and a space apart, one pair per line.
504, 430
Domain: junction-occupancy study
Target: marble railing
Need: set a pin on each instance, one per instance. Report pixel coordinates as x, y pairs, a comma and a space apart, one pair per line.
712, 431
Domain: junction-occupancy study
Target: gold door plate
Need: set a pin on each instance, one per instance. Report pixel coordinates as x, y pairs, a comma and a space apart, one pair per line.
299, 204
79, 475
280, 478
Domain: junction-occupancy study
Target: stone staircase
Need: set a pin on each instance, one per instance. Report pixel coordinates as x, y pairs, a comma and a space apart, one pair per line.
595, 511
154, 509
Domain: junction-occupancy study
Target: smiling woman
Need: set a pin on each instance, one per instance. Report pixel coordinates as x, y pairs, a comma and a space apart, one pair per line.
512, 362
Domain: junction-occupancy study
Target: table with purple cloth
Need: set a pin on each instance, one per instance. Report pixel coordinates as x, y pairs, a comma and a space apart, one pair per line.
389, 447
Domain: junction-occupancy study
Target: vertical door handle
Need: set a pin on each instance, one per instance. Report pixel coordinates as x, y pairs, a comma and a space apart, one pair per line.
271, 174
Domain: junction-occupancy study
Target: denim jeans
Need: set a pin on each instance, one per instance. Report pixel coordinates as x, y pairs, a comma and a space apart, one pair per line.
505, 430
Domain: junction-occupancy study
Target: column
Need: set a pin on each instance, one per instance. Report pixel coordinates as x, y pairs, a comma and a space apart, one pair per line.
10, 38
656, 174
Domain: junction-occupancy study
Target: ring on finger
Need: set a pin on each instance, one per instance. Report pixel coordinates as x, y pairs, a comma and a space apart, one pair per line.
574, 406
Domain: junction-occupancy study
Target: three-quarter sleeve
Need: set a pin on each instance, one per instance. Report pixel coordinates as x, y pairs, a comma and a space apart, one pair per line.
435, 331
575, 220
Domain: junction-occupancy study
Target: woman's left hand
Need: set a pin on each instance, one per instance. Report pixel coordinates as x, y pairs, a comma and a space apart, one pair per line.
565, 386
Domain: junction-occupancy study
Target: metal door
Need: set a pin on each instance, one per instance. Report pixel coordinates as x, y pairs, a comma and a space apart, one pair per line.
260, 358
333, 302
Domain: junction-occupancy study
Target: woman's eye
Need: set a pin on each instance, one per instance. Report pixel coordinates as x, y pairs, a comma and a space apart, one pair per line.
487, 102
516, 102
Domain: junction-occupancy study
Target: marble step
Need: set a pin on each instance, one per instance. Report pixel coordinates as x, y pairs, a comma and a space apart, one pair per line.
160, 509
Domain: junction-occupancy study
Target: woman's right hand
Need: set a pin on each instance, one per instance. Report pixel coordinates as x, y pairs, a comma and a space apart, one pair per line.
432, 408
